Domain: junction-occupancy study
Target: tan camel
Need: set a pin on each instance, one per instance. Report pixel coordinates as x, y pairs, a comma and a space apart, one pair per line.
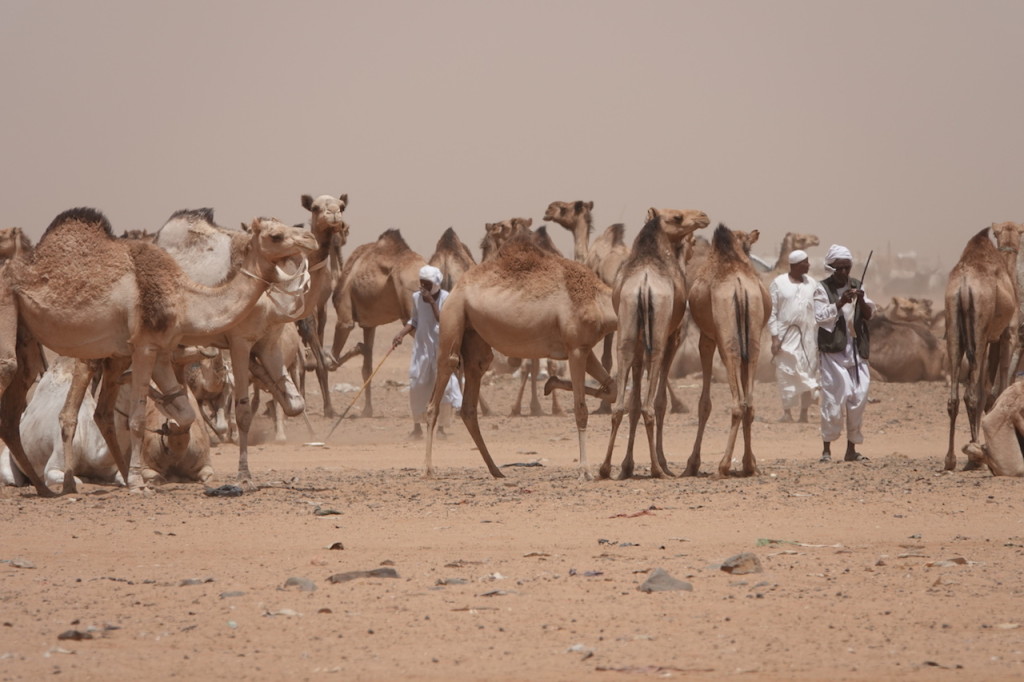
524, 302
604, 256
730, 305
790, 242
87, 295
650, 299
1003, 430
981, 323
331, 233
376, 288
452, 257
210, 254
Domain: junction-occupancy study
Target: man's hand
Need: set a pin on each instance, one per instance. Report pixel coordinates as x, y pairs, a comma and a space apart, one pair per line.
776, 346
397, 341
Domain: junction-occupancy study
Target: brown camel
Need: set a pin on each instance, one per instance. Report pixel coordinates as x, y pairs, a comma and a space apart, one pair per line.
84, 294
210, 254
730, 305
375, 288
331, 233
981, 324
605, 256
650, 299
904, 351
524, 302
1003, 431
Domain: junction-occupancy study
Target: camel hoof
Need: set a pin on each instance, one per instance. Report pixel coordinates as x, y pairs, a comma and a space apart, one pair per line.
585, 476
604, 473
549, 385
972, 465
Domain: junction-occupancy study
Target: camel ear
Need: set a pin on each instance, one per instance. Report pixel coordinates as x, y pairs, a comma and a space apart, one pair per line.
527, 222
255, 226
344, 199
307, 202
754, 235
652, 213
590, 205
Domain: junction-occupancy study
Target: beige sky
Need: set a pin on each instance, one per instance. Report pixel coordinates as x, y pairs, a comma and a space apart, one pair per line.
891, 124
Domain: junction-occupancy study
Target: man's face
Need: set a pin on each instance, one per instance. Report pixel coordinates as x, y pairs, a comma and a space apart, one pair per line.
800, 269
426, 285
842, 270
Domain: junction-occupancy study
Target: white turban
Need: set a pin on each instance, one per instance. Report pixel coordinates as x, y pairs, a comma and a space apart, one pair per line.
797, 256
432, 275
836, 252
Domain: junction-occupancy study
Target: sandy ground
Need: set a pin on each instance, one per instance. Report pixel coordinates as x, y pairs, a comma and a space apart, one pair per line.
889, 569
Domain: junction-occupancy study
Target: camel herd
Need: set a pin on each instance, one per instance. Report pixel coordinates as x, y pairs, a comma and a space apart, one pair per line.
195, 320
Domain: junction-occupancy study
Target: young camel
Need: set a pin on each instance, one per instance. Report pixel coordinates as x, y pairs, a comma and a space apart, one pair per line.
87, 295
650, 299
730, 305
375, 288
1003, 431
331, 233
981, 323
524, 302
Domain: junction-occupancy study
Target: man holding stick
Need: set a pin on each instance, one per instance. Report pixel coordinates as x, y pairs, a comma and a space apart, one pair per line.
841, 310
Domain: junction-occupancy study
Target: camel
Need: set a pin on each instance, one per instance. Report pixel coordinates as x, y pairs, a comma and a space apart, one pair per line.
452, 257
331, 233
604, 256
209, 379
730, 305
84, 294
210, 255
904, 351
41, 434
375, 288
650, 298
524, 302
294, 364
496, 234
981, 323
13, 242
790, 242
1003, 431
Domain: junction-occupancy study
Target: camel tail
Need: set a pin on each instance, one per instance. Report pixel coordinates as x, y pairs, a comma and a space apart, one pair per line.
965, 323
645, 315
742, 324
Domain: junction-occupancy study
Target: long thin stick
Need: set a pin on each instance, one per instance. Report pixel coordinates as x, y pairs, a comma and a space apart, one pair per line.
359, 393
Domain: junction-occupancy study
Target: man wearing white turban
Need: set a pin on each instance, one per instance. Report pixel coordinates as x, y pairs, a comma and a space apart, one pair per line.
425, 324
794, 335
842, 310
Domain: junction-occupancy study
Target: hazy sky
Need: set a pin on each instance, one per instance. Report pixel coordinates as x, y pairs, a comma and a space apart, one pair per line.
890, 124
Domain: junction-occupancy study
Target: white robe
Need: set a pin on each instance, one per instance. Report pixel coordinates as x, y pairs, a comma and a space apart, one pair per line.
792, 322
844, 377
423, 365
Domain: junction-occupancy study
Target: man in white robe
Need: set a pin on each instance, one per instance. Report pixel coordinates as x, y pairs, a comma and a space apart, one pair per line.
841, 310
425, 324
794, 335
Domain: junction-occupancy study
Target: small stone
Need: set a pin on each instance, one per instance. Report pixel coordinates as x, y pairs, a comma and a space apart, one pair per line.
383, 572
742, 564
303, 584
660, 581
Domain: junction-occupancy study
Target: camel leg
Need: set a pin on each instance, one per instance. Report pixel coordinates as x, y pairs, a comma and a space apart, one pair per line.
113, 370
736, 388
368, 334
618, 410
68, 419
345, 323
578, 363
634, 407
524, 372
535, 409
13, 402
556, 409
143, 361
953, 404
243, 410
606, 391
749, 461
311, 331
976, 392
706, 346
608, 345
661, 400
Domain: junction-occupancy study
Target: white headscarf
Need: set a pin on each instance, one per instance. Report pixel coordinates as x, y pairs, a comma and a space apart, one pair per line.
797, 256
836, 252
433, 275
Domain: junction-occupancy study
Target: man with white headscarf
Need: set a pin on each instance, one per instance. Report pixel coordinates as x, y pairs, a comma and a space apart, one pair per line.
425, 323
842, 310
794, 335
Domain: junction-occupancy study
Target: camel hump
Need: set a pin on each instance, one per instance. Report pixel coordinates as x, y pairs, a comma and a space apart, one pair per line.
88, 217
449, 239
156, 278
617, 232
194, 215
723, 243
393, 240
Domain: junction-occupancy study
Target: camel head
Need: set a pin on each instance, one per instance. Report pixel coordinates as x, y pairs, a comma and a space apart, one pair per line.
800, 241
274, 243
326, 211
678, 224
904, 309
13, 242
568, 213
496, 234
1007, 236
746, 239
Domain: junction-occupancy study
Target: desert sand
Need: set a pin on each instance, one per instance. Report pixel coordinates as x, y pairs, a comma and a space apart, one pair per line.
889, 569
